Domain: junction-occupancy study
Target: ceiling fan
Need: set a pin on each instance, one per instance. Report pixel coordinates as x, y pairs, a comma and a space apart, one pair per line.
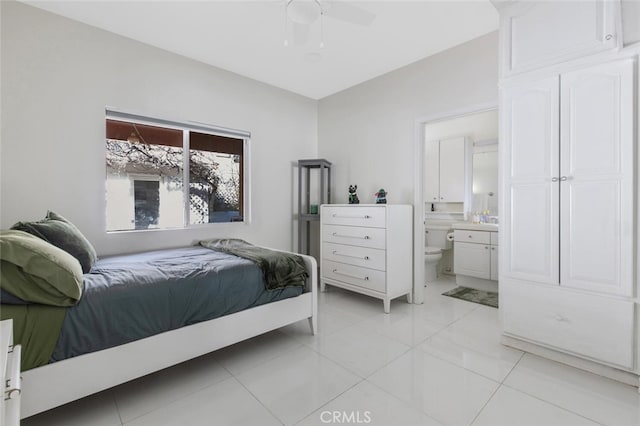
303, 13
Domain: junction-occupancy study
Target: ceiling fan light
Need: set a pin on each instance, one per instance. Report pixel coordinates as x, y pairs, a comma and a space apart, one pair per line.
304, 11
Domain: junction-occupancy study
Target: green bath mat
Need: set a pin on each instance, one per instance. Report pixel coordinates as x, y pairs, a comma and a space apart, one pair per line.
488, 298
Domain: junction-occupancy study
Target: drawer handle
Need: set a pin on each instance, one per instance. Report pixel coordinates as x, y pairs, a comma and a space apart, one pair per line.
351, 216
366, 237
336, 253
13, 384
469, 236
335, 271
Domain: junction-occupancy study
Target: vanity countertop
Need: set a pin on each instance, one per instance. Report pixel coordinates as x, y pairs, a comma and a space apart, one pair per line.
476, 226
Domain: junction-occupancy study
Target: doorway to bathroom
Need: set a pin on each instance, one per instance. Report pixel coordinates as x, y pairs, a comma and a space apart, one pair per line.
455, 179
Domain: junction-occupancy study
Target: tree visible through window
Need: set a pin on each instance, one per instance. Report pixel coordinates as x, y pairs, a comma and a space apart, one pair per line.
147, 174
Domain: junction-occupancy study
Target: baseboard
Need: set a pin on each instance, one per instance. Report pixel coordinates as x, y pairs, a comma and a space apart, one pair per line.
625, 377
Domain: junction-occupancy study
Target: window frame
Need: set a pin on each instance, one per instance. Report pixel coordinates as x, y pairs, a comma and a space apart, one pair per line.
186, 127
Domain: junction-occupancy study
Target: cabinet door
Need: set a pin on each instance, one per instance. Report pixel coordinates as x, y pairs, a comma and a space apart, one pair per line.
536, 34
597, 185
452, 170
529, 163
472, 260
494, 263
432, 172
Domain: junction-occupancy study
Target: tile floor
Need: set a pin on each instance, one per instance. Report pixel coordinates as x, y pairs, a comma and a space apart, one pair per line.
440, 363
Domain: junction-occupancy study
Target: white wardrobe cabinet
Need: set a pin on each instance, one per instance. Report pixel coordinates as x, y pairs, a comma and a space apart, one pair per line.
368, 248
536, 34
444, 170
567, 223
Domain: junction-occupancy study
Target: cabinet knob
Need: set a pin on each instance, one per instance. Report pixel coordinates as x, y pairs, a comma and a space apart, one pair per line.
554, 179
470, 236
486, 248
442, 198
608, 37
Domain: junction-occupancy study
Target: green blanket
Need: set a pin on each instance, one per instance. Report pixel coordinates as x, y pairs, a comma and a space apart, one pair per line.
36, 328
279, 269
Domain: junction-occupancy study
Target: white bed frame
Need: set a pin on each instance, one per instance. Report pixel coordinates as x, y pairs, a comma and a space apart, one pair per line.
64, 381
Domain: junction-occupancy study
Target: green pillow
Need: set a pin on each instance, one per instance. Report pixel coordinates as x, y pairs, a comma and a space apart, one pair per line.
38, 272
58, 231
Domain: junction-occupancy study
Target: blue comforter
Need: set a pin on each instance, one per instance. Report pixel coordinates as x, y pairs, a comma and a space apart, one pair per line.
131, 297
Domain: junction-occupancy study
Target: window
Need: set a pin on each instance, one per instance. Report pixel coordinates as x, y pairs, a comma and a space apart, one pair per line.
163, 174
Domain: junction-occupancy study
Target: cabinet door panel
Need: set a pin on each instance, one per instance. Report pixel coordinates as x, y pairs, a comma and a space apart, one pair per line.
472, 260
571, 29
494, 263
452, 170
597, 195
529, 161
432, 172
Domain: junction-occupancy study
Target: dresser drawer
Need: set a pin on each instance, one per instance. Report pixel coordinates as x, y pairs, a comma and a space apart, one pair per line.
355, 275
597, 327
354, 236
480, 237
352, 255
354, 216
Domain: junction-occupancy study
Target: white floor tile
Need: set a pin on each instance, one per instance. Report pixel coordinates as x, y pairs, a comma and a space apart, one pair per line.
444, 310
95, 410
442, 284
249, 353
595, 397
225, 403
509, 407
489, 360
449, 394
295, 384
360, 349
329, 322
367, 404
406, 327
150, 392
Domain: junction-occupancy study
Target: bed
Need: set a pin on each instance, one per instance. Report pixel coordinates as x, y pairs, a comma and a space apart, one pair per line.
183, 303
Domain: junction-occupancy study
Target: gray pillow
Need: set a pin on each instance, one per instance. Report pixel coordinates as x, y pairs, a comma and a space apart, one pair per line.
63, 234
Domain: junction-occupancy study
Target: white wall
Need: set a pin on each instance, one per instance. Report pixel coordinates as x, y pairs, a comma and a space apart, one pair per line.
57, 77
478, 127
367, 131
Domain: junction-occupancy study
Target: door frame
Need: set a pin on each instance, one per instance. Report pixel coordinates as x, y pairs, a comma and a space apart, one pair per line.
418, 186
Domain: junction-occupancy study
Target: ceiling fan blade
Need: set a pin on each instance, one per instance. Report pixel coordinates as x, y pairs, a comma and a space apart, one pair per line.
348, 12
300, 33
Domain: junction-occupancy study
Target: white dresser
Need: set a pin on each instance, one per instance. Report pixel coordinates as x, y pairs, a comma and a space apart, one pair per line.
10, 368
367, 248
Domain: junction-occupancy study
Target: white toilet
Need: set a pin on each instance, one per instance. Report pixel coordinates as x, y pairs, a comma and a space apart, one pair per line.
435, 241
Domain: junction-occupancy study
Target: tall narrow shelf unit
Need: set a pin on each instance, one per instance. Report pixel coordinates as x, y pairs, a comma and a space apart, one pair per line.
323, 186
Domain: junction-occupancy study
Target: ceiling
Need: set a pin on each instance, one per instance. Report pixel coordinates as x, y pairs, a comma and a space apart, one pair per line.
247, 37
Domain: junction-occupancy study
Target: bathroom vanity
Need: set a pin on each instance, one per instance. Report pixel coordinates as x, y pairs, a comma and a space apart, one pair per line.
475, 255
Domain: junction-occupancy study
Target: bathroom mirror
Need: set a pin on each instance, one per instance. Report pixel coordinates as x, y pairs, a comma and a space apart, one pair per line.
485, 177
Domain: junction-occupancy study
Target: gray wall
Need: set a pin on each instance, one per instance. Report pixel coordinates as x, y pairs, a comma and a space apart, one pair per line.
57, 77
368, 130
